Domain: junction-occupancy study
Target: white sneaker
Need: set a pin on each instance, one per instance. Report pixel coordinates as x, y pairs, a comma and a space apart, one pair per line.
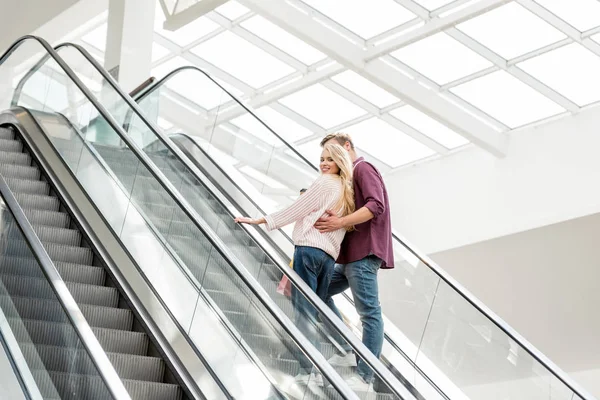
349, 360
312, 378
357, 384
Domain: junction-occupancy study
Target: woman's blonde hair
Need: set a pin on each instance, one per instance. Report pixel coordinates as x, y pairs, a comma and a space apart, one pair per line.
340, 156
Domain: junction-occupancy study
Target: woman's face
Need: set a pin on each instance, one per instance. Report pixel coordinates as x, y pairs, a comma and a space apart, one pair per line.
328, 166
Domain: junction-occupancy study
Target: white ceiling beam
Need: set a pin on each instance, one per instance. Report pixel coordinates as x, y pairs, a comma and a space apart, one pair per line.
561, 25
380, 73
433, 26
179, 19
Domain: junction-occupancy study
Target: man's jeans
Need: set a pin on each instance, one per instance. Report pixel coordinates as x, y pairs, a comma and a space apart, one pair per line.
314, 267
361, 277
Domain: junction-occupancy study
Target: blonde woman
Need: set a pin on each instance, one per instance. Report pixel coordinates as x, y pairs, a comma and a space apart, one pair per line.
315, 253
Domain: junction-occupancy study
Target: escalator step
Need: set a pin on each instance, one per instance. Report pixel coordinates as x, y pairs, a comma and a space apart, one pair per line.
11, 145
57, 252
15, 158
38, 202
26, 186
60, 236
19, 172
68, 271
64, 335
39, 288
6, 133
62, 359
48, 218
91, 387
51, 310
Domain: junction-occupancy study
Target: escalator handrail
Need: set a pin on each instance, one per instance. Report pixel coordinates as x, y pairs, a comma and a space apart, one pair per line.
443, 275
83, 330
303, 343
386, 376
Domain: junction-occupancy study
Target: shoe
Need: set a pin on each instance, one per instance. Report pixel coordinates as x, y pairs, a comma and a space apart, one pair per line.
312, 379
349, 360
357, 384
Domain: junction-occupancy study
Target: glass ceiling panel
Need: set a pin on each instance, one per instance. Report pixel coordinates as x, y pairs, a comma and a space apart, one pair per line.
285, 127
322, 106
596, 37
571, 70
433, 4
232, 10
527, 31
507, 99
429, 126
283, 40
202, 92
241, 59
387, 143
186, 34
581, 14
250, 125
365, 89
366, 19
441, 58
97, 37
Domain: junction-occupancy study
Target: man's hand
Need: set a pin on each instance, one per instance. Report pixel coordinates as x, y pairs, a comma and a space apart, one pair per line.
329, 223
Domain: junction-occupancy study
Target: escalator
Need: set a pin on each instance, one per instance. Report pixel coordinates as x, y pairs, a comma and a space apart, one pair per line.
180, 231
449, 344
40, 318
188, 318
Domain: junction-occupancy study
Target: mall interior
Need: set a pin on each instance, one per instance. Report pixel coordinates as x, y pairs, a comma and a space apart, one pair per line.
134, 132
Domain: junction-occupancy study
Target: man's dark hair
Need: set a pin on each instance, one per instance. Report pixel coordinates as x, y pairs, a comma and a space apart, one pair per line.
339, 137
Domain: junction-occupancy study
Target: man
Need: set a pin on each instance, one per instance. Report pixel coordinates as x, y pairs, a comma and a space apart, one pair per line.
364, 251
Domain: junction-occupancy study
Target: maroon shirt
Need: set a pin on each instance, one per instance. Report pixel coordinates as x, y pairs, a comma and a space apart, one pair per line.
373, 237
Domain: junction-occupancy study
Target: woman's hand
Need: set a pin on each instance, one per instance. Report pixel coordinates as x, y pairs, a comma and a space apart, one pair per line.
251, 221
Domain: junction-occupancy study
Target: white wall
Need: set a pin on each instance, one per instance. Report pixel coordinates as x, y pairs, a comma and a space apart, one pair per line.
544, 283
550, 175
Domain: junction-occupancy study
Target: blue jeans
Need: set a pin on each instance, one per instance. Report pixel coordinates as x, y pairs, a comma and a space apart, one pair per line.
315, 268
361, 277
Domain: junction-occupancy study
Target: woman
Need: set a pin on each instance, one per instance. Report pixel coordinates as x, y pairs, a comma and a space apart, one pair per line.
315, 253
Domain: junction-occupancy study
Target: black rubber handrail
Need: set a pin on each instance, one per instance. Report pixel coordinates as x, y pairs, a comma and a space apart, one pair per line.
384, 374
84, 332
301, 341
443, 275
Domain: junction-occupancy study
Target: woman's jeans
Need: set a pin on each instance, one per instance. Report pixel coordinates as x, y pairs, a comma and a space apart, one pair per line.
314, 267
361, 277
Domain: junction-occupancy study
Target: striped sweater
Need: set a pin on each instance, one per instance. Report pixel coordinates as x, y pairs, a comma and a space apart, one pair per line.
321, 196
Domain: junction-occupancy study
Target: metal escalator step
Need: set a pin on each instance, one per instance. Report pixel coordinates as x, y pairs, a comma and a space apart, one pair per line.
63, 359
68, 271
140, 390
91, 387
51, 310
63, 335
49, 218
11, 145
20, 172
57, 252
39, 288
6, 133
7, 157
49, 203
63, 236
28, 186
